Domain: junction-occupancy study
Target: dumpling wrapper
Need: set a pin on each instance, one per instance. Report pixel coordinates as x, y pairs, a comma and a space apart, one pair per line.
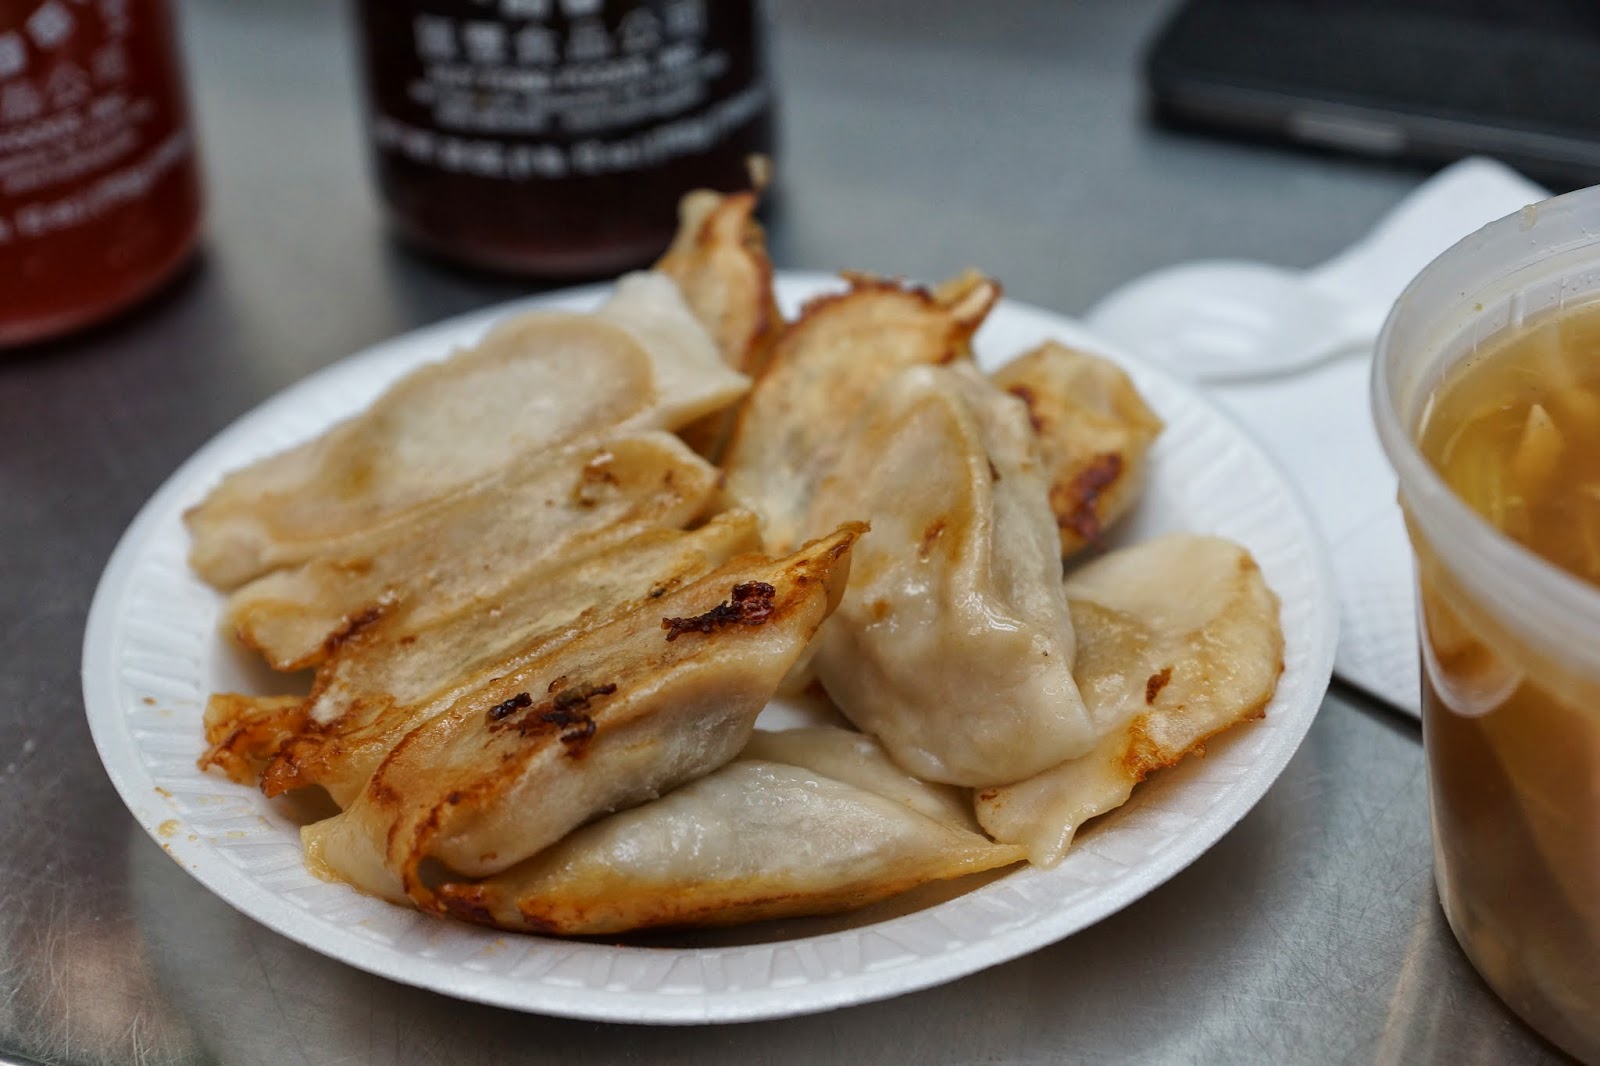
393, 676
691, 378
1095, 432
755, 840
953, 645
244, 732
1178, 639
614, 717
538, 380
825, 366
859, 760
719, 260
543, 507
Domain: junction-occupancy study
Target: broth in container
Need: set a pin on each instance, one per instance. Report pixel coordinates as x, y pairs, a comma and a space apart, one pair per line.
1487, 394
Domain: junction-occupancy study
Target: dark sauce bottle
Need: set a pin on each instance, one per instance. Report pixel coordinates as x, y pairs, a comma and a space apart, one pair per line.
554, 137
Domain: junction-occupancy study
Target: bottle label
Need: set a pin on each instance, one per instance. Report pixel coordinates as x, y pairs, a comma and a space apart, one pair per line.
545, 89
80, 134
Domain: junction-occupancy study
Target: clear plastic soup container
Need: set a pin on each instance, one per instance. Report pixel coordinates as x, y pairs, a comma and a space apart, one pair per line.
1510, 643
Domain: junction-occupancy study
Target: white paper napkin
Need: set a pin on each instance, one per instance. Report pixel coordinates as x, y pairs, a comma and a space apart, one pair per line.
1317, 423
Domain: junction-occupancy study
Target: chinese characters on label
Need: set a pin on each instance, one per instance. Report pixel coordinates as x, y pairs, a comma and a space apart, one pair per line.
545, 89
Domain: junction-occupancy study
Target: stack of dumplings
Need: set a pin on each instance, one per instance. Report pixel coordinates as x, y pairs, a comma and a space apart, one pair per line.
546, 586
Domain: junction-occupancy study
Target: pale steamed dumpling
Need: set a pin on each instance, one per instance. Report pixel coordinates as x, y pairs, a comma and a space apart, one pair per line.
953, 644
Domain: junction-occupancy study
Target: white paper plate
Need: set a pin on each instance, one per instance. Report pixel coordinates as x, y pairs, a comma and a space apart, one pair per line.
151, 655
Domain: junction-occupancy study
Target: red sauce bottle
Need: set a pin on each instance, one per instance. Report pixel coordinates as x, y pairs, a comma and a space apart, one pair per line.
99, 192
554, 137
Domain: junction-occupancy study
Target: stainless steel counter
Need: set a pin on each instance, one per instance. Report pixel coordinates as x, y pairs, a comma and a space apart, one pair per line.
921, 136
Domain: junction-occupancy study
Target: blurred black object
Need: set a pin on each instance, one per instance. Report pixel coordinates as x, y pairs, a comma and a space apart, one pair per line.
1426, 81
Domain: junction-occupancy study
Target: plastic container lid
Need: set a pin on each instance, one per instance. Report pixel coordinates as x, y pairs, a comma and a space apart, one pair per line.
1538, 260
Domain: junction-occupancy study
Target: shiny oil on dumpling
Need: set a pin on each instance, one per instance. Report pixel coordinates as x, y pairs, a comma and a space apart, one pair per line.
825, 366
400, 671
953, 645
1178, 639
539, 508
535, 381
1094, 431
618, 715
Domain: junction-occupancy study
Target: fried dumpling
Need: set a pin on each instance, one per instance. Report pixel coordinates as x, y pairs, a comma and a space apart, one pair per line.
754, 840
244, 732
719, 260
1095, 432
824, 367
398, 673
953, 644
538, 380
542, 507
1178, 639
618, 715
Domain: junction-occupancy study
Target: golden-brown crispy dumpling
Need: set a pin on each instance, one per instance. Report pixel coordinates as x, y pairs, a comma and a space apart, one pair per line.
719, 260
541, 507
1095, 432
824, 367
953, 644
752, 841
1178, 639
535, 381
616, 716
244, 732
400, 672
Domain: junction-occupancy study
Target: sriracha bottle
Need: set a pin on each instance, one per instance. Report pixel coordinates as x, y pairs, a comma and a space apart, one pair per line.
99, 192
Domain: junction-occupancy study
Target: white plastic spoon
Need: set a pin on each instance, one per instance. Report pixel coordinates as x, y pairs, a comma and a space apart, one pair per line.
1219, 320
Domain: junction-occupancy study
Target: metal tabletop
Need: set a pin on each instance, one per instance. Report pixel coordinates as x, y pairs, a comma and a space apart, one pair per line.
920, 136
